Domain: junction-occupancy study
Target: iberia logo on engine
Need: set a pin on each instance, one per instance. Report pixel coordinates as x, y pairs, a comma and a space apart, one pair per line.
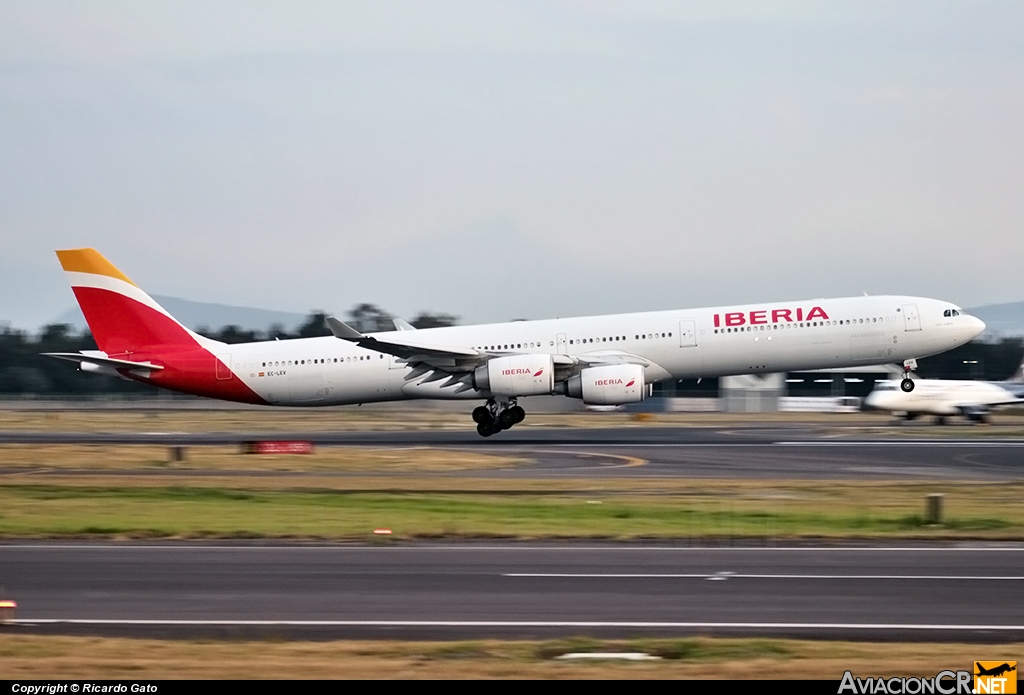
995, 677
518, 371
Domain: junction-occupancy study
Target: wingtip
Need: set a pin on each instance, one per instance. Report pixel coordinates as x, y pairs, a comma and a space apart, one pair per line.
340, 329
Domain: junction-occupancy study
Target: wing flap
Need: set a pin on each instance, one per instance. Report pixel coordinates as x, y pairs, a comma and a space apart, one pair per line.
598, 358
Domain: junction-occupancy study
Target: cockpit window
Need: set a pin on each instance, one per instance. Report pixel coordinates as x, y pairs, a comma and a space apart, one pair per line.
951, 312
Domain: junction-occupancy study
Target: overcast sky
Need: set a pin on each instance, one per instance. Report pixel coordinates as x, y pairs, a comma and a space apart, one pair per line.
523, 159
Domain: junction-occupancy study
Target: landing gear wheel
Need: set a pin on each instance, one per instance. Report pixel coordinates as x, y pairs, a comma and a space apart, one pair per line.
507, 418
481, 415
907, 385
519, 413
486, 429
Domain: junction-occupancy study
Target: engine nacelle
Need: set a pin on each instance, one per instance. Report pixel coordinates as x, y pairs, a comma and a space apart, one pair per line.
518, 375
611, 385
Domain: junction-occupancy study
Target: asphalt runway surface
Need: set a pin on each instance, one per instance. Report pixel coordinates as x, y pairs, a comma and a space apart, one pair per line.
689, 452
513, 590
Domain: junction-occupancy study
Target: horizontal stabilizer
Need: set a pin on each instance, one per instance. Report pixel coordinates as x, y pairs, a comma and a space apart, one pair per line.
102, 360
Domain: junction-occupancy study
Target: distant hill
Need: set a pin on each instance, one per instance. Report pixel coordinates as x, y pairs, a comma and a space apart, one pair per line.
204, 314
1002, 320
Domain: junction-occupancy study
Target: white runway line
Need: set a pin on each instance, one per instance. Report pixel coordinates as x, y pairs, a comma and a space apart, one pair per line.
739, 575
520, 624
1015, 443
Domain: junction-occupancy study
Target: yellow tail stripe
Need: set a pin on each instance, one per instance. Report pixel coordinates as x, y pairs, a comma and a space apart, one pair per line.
89, 261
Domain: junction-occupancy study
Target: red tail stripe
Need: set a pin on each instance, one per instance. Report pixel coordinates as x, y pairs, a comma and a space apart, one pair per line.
121, 324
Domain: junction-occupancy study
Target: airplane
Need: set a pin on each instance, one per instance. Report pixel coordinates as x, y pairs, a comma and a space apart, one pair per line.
942, 398
995, 670
602, 360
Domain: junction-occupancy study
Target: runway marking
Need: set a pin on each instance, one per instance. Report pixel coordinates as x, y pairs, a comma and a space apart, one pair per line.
522, 624
630, 461
1015, 443
718, 576
846, 444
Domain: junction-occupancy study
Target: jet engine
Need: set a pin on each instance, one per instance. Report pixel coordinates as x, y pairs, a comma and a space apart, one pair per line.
610, 385
517, 375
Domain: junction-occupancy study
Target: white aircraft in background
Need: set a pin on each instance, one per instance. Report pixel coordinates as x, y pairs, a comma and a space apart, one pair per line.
942, 398
603, 360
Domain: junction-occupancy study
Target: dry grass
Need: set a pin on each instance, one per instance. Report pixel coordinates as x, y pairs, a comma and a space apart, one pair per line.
135, 418
98, 458
38, 657
389, 419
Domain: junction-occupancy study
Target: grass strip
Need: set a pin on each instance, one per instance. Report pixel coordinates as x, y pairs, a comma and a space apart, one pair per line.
43, 657
713, 511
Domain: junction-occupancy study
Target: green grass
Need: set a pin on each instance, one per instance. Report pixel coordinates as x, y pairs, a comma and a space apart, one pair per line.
835, 510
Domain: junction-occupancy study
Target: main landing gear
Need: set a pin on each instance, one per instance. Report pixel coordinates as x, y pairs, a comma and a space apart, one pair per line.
907, 385
495, 417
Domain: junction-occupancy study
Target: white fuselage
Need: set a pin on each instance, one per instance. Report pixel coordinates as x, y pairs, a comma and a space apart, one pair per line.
693, 343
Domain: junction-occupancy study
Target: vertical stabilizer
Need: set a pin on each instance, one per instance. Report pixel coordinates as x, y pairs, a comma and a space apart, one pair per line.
122, 318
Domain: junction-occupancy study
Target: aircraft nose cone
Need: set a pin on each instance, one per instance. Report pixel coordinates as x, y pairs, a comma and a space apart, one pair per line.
977, 326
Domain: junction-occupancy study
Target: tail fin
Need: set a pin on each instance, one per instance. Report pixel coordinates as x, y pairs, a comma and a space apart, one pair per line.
121, 316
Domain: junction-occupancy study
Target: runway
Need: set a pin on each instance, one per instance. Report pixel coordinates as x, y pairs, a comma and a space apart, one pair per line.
688, 452
459, 591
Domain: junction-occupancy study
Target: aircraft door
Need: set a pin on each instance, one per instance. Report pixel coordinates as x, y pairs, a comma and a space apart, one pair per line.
911, 317
224, 367
687, 334
561, 344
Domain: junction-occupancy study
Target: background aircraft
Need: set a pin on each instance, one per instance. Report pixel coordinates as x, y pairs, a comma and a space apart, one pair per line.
603, 360
944, 397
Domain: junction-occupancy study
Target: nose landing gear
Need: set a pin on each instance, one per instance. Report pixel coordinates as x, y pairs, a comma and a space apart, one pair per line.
907, 385
495, 417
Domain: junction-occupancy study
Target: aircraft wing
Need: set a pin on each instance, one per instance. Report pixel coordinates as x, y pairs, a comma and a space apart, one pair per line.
414, 351
454, 362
